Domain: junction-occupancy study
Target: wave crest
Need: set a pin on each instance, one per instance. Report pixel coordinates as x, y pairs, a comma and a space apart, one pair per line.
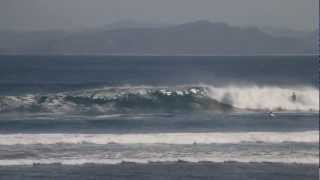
179, 98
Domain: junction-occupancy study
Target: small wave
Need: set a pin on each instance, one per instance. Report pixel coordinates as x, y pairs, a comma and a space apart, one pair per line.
81, 161
162, 138
113, 100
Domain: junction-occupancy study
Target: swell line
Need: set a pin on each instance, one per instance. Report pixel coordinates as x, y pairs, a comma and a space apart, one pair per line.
162, 138
16, 162
177, 98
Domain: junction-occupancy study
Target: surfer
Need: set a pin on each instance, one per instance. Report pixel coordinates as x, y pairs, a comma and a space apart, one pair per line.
271, 114
293, 97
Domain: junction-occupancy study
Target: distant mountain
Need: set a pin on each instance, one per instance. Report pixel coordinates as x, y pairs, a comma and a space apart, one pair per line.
130, 24
195, 38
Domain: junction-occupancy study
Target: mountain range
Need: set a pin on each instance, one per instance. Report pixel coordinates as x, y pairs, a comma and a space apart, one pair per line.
193, 38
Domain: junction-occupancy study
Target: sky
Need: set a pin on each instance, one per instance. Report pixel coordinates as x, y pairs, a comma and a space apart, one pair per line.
70, 14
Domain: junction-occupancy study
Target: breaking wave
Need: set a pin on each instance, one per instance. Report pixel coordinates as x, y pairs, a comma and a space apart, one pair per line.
162, 138
180, 98
82, 161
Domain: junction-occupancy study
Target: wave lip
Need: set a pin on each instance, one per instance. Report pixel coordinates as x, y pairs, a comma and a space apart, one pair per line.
161, 138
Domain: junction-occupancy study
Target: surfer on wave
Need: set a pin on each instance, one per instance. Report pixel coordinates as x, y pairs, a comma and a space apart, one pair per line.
271, 114
293, 97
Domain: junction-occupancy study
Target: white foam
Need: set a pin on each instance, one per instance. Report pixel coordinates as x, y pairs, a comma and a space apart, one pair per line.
163, 138
250, 97
267, 97
80, 161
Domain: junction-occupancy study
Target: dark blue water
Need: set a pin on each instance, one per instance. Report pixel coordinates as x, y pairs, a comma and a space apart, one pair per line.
157, 123
57, 73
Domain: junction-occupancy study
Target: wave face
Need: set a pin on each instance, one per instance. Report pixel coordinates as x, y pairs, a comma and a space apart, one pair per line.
167, 99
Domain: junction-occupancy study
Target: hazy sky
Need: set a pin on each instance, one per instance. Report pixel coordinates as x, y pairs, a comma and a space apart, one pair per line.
65, 14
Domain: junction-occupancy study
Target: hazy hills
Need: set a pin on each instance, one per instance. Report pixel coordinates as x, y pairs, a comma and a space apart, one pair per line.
196, 38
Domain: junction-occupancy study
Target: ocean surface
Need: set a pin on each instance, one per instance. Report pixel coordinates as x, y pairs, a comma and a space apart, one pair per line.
159, 114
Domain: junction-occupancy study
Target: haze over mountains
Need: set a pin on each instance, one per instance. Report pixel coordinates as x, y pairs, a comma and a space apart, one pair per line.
133, 38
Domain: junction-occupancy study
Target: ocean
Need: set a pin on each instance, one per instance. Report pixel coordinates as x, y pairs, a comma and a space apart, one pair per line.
159, 117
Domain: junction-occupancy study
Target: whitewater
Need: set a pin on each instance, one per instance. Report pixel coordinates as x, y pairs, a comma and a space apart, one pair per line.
161, 138
180, 98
